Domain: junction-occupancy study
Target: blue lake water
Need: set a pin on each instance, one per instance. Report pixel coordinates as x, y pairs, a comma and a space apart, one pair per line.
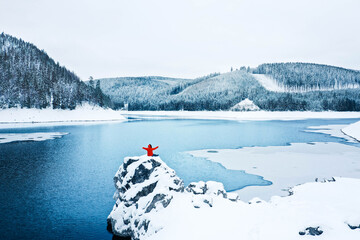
62, 188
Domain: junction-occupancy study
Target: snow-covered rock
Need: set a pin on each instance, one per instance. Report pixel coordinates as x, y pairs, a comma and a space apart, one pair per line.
145, 186
353, 130
245, 105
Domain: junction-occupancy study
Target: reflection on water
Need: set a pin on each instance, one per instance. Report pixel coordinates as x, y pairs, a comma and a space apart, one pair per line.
62, 188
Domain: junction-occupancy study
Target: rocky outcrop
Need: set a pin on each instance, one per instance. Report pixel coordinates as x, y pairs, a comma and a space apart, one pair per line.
146, 185
313, 231
143, 185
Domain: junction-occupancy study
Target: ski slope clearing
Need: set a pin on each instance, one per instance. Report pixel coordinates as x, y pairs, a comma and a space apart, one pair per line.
14, 117
29, 137
287, 166
353, 130
241, 116
269, 83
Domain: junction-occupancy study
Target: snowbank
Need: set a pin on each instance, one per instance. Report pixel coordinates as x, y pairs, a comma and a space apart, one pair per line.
241, 116
353, 130
167, 210
85, 113
287, 166
245, 105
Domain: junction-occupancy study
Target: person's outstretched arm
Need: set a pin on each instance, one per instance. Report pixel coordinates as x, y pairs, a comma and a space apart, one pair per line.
156, 148
144, 148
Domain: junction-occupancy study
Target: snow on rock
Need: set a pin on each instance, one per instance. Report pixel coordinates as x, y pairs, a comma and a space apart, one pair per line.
245, 105
145, 186
353, 130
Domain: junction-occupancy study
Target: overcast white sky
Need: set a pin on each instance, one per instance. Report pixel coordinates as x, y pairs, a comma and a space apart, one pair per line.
185, 38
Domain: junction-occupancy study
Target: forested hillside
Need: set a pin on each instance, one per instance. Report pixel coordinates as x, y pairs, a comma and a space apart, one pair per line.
147, 93
223, 91
309, 76
30, 78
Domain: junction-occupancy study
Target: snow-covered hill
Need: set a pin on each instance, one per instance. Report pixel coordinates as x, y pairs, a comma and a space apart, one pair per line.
306, 77
273, 85
223, 91
29, 78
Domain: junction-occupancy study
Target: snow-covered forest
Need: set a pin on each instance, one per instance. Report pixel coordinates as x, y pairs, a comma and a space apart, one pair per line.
223, 91
310, 76
30, 78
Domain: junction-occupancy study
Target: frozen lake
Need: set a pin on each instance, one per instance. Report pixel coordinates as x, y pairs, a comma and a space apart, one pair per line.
62, 188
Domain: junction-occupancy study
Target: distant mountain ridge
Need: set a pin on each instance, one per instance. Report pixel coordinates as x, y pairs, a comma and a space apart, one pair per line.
30, 78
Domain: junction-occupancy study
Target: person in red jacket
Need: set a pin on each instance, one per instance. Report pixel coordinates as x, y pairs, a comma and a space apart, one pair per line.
150, 150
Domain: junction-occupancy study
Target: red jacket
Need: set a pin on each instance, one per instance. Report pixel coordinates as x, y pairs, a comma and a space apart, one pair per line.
150, 150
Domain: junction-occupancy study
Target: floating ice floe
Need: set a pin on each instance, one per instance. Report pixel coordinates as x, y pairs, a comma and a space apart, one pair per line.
332, 130
38, 136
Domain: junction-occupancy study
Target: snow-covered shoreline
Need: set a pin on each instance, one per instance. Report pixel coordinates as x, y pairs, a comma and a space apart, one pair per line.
353, 130
151, 202
241, 116
87, 114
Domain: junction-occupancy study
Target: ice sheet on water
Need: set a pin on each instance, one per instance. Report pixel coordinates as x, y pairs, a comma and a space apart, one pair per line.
37, 136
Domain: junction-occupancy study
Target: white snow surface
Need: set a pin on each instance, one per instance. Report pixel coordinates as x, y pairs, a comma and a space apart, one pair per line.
353, 130
203, 211
245, 105
332, 130
241, 116
329, 205
12, 116
287, 166
38, 136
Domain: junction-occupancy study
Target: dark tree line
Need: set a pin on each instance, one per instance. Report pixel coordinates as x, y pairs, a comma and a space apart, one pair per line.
30, 78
